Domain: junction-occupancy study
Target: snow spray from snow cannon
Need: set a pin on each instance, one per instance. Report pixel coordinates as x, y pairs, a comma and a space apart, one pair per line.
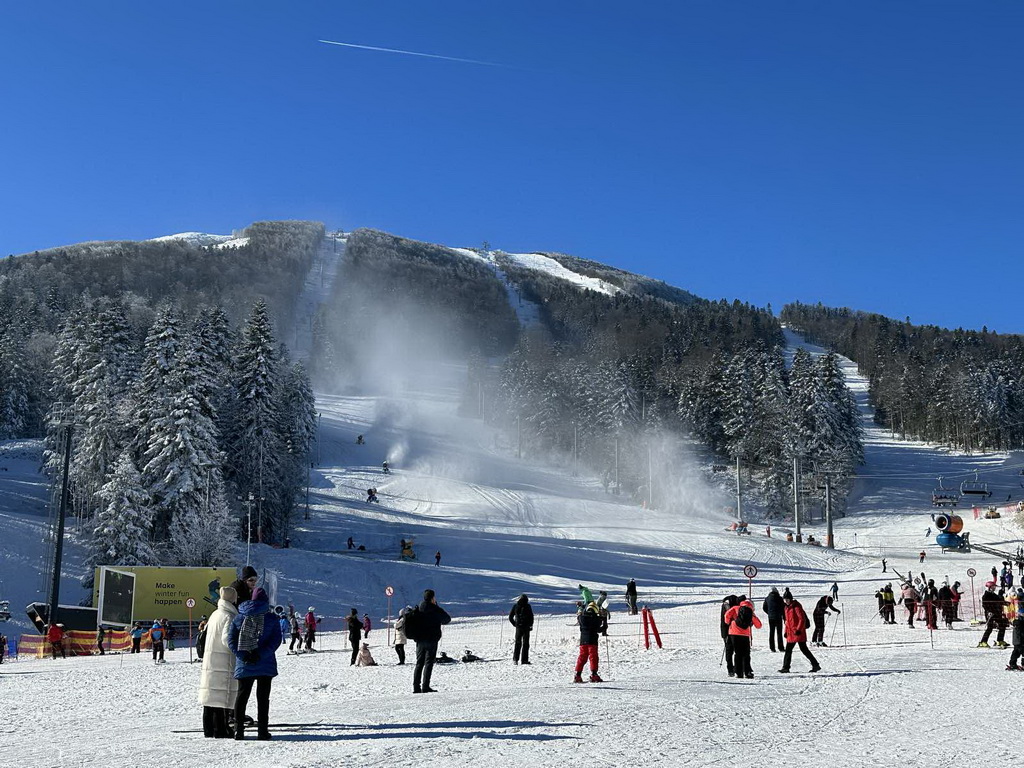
950, 527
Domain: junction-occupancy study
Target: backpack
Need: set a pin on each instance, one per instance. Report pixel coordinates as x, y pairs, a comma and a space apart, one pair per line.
413, 623
744, 617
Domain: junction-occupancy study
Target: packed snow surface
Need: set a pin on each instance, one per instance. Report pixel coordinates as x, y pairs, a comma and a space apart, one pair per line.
887, 694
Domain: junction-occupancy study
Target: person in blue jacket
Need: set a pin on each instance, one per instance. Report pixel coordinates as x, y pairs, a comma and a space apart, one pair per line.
254, 636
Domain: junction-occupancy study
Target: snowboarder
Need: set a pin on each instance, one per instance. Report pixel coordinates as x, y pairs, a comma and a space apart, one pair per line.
592, 625
631, 597
367, 625
437, 557
820, 609
774, 609
355, 631
254, 637
400, 638
217, 685
796, 632
426, 631
740, 620
521, 617
727, 602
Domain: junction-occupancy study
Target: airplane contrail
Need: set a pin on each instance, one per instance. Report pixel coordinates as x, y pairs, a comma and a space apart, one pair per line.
412, 53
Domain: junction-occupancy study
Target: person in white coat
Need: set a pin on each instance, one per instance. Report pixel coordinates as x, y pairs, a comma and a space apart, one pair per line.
400, 638
218, 687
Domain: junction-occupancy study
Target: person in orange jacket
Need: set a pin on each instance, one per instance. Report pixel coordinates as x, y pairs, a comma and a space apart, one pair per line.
796, 632
55, 637
741, 619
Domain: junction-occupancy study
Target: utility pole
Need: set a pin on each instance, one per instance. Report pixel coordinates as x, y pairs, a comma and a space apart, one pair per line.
248, 535
828, 514
58, 549
796, 496
739, 499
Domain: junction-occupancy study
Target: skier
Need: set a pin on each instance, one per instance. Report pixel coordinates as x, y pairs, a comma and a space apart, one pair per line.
820, 609
355, 630
310, 623
367, 625
254, 637
631, 597
286, 627
928, 532
930, 597
956, 595
883, 565
834, 589
740, 620
796, 632
775, 609
888, 604
920, 556
945, 605
728, 602
217, 685
400, 638
909, 600
101, 634
295, 629
993, 604
592, 625
156, 638
427, 633
521, 617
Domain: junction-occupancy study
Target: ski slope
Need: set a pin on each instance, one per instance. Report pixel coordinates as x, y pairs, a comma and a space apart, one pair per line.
505, 525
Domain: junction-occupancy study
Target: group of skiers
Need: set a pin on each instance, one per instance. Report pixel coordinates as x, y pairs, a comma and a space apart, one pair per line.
787, 621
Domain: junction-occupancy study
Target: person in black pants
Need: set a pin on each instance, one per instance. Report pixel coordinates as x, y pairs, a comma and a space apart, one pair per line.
521, 617
774, 609
427, 634
631, 597
740, 626
796, 632
820, 608
728, 603
355, 633
254, 637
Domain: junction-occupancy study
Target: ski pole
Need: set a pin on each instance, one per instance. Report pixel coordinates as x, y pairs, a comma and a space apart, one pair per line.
835, 625
845, 643
723, 656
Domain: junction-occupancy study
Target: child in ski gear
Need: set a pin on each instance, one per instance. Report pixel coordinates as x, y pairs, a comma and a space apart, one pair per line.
820, 609
774, 608
253, 638
796, 632
429, 619
365, 659
217, 685
310, 623
521, 617
592, 625
741, 619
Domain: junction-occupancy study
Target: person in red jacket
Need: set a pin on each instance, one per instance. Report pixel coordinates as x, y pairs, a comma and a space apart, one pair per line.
55, 637
796, 632
740, 619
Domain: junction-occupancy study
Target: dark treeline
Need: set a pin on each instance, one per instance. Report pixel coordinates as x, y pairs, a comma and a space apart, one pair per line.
403, 297
956, 387
184, 413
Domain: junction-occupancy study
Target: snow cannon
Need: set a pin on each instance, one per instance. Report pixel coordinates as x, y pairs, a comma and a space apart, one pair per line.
950, 524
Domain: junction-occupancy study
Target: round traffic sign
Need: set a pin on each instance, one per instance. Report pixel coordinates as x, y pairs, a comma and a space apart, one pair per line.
750, 571
191, 602
971, 573
389, 591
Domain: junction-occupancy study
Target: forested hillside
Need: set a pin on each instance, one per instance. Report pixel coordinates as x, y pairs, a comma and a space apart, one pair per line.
961, 388
161, 362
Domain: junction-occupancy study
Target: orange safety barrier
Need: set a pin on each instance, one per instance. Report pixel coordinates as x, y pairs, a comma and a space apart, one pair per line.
77, 643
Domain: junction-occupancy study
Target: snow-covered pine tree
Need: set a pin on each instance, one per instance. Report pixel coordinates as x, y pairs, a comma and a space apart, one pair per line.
14, 386
123, 526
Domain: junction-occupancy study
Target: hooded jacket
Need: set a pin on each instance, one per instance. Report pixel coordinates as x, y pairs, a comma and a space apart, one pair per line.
521, 615
796, 623
265, 663
217, 684
431, 618
773, 606
727, 603
730, 620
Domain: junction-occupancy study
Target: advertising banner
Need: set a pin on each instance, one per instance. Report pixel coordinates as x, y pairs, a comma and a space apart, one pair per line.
160, 593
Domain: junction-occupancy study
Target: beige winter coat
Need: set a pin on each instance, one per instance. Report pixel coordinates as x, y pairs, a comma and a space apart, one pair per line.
217, 684
400, 629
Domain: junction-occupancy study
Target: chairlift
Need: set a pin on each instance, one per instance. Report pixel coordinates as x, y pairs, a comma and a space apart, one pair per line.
944, 497
974, 488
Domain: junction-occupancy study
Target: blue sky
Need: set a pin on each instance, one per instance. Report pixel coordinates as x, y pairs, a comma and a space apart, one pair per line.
862, 154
